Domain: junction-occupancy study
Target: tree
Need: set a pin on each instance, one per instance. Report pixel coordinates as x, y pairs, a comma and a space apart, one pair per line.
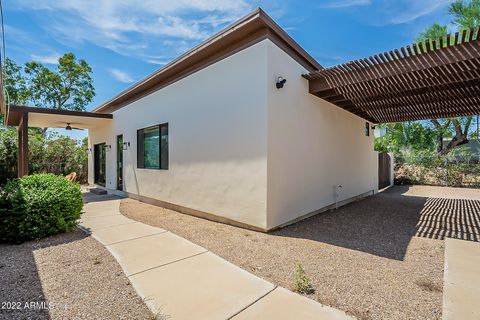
15, 84
435, 31
405, 137
68, 87
466, 15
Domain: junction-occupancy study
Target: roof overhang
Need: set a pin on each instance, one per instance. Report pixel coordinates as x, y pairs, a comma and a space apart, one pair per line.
435, 79
52, 118
247, 31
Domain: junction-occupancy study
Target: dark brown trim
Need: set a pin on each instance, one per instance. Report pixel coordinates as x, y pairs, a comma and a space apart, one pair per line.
249, 30
15, 113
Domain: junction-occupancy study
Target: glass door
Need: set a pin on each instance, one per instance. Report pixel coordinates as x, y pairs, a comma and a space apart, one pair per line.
99, 163
120, 162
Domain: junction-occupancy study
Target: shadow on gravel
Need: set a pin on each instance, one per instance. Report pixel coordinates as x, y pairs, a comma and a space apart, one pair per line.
21, 294
384, 224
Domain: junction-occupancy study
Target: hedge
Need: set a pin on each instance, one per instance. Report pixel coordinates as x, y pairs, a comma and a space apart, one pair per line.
38, 206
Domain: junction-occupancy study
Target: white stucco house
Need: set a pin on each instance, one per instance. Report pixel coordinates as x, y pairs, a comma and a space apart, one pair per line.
215, 134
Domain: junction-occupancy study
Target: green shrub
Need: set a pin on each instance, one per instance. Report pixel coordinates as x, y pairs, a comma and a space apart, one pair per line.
301, 282
38, 206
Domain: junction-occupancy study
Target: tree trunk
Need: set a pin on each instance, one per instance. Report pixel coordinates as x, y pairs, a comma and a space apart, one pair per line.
457, 140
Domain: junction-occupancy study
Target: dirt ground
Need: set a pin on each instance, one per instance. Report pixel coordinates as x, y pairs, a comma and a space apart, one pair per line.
378, 258
69, 276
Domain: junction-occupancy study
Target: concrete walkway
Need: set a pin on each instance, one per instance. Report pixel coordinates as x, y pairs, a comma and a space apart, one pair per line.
181, 280
461, 283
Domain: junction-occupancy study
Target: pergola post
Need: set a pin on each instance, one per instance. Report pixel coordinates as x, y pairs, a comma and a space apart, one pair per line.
23, 145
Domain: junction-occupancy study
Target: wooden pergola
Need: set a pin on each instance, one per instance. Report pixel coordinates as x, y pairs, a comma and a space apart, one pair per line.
435, 79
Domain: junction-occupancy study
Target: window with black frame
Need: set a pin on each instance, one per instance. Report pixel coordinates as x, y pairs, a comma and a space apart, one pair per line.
152, 147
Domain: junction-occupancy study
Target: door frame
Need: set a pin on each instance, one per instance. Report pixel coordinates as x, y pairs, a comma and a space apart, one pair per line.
119, 163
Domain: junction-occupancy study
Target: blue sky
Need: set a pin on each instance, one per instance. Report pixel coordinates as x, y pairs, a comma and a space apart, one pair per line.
125, 40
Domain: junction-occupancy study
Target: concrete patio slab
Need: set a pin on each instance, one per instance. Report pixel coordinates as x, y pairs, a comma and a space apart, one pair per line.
201, 287
282, 304
461, 289
125, 232
97, 223
145, 253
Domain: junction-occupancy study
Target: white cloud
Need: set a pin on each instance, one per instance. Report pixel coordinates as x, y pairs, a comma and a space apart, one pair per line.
47, 59
346, 3
136, 27
121, 76
416, 9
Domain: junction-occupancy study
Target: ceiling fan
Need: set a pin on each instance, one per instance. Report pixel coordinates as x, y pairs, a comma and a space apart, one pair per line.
70, 128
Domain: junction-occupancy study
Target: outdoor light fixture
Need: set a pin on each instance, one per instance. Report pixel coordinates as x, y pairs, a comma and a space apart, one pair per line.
281, 82
126, 145
108, 147
89, 150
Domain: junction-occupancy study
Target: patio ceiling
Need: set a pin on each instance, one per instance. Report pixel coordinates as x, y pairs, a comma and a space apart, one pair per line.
52, 118
436, 79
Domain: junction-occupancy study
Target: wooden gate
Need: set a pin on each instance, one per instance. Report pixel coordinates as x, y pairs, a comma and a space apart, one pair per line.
383, 170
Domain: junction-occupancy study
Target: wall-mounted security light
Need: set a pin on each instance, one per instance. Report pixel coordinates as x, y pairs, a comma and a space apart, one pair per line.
280, 82
126, 145
108, 147
89, 150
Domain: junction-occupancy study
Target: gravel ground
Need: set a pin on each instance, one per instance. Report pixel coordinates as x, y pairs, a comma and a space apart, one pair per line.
72, 274
367, 258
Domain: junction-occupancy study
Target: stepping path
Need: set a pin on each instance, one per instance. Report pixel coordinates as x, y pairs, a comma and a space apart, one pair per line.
461, 280
179, 279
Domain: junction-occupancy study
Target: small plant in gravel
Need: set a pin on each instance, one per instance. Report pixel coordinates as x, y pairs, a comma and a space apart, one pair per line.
301, 282
38, 206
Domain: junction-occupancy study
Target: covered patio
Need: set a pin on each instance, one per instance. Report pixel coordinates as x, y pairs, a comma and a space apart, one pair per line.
24, 117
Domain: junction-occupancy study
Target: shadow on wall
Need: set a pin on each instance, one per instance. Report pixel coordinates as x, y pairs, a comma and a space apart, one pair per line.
384, 224
20, 282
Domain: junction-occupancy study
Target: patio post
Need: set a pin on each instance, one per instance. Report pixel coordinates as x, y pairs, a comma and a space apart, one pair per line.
23, 145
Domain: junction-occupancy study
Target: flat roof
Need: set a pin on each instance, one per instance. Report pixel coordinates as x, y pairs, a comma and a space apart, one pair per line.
53, 118
438, 78
252, 28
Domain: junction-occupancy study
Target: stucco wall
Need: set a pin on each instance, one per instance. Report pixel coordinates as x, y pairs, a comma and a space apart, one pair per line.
312, 147
217, 139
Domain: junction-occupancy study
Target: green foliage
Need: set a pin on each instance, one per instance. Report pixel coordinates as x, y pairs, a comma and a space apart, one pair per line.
466, 14
68, 87
301, 282
435, 31
47, 154
15, 84
38, 206
406, 136
8, 155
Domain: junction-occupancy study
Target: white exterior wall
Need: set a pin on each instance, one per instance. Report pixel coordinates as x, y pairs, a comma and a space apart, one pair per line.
217, 140
312, 147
